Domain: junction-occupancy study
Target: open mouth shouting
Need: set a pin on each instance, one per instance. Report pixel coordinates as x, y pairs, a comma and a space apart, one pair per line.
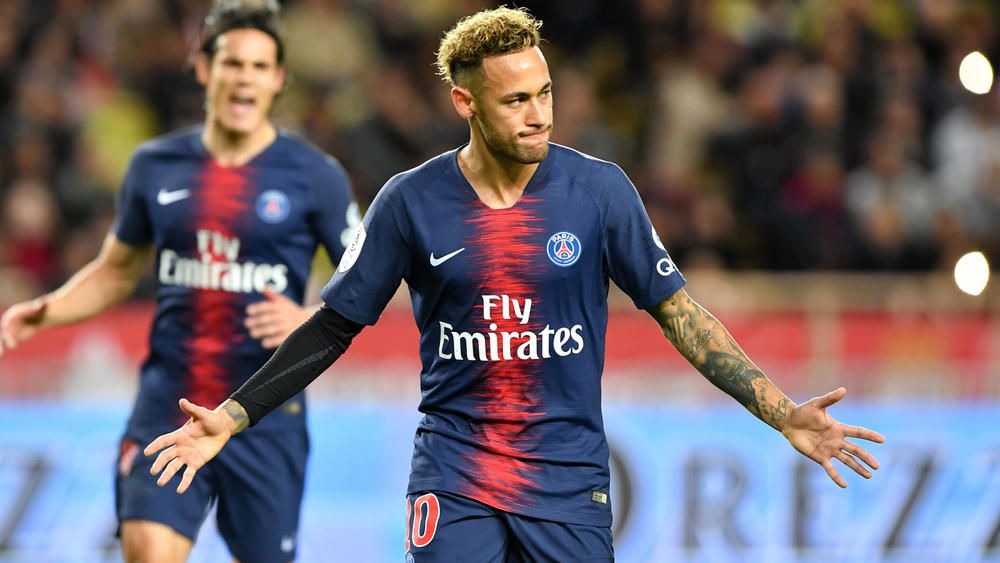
242, 105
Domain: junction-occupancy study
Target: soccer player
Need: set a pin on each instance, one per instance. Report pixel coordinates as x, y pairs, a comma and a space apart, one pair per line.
508, 245
234, 210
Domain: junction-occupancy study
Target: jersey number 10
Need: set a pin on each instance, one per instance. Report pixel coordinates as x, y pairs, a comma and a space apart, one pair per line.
426, 512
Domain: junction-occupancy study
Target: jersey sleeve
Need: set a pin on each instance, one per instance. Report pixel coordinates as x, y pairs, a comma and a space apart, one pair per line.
132, 224
374, 263
337, 214
637, 260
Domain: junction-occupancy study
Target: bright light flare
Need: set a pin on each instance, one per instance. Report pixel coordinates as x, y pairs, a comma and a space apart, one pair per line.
976, 73
972, 273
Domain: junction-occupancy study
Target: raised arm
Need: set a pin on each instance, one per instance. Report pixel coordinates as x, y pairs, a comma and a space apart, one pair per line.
105, 281
702, 339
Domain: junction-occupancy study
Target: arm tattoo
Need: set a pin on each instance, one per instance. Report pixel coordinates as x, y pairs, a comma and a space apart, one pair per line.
701, 338
734, 376
772, 414
678, 325
238, 414
695, 333
674, 328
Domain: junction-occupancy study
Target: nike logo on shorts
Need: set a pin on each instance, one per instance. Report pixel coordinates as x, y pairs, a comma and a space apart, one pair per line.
165, 197
435, 262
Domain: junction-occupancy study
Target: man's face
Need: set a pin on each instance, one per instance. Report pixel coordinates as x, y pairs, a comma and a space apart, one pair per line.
241, 80
514, 105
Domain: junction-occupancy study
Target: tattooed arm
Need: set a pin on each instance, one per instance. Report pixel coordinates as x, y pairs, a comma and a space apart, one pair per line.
702, 339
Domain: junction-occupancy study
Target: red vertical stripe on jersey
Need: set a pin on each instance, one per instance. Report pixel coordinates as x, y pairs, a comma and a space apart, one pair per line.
216, 315
509, 389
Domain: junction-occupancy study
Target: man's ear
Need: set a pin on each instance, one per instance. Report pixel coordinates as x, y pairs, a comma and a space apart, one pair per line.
463, 101
282, 79
201, 68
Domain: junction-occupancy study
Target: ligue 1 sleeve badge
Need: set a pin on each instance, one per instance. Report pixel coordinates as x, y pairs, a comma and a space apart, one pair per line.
563, 249
273, 206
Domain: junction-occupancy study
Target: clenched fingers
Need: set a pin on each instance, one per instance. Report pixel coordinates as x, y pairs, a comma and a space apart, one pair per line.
261, 320
265, 331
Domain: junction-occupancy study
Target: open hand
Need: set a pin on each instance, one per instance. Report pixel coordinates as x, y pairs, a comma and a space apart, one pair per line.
191, 445
274, 318
818, 436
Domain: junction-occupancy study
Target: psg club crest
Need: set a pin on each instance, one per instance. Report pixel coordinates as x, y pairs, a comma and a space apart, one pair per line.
563, 249
273, 206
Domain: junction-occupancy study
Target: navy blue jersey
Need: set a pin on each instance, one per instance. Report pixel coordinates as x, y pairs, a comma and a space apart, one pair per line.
221, 235
512, 310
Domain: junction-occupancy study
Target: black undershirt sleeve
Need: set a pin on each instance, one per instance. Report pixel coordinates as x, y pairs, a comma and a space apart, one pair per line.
305, 354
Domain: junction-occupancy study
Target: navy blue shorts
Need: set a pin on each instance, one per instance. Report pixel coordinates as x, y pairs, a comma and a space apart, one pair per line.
444, 528
256, 481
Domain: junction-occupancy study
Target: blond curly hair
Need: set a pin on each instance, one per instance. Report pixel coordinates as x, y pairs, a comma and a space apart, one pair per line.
485, 34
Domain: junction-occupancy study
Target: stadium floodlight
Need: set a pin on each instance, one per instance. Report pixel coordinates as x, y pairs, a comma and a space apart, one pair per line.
976, 73
972, 273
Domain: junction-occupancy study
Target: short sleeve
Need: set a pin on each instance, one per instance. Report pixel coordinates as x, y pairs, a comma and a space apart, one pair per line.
637, 260
336, 214
132, 224
374, 263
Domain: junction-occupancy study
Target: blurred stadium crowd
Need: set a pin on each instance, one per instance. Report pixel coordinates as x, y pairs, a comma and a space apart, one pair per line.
763, 134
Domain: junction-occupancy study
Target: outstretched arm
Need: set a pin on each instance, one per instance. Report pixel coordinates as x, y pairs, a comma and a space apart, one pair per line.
273, 318
107, 280
704, 342
305, 354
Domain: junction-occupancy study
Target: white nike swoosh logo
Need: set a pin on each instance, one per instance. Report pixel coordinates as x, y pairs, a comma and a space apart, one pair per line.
435, 262
164, 197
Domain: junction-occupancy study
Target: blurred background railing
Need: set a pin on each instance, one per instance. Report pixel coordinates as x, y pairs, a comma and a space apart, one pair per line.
886, 337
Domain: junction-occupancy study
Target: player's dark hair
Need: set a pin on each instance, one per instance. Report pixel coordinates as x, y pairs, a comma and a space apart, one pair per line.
227, 15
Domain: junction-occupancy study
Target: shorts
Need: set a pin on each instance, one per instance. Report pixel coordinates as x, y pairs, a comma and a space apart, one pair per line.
443, 527
256, 480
